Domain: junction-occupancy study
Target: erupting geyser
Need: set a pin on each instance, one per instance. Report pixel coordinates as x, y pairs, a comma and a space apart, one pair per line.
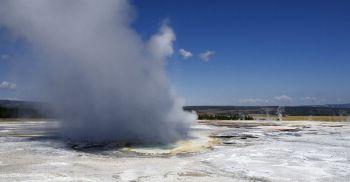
104, 81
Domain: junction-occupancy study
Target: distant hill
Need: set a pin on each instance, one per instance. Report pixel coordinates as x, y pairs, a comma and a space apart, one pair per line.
20, 109
338, 105
25, 109
18, 104
324, 110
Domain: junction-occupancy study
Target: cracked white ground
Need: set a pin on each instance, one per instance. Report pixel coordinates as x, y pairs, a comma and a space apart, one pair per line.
219, 151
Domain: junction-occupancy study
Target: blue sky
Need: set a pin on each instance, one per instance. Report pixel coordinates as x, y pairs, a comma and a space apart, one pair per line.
264, 49
266, 52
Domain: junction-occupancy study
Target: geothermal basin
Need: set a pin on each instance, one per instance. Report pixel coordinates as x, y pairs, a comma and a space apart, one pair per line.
216, 151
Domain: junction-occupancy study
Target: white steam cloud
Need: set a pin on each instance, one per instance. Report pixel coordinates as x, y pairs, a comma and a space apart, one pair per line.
161, 44
104, 81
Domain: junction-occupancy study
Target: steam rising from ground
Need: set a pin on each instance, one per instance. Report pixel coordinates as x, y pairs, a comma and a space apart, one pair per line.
104, 81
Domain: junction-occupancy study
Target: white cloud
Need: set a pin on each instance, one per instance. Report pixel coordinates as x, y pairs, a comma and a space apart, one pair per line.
206, 56
310, 99
283, 98
7, 85
8, 98
161, 44
185, 54
249, 101
5, 56
253, 101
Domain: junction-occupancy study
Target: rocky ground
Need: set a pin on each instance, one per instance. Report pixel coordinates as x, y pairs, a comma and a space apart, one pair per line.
217, 151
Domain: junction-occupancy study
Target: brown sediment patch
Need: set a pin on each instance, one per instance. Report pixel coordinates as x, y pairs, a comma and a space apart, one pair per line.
183, 147
192, 147
8, 120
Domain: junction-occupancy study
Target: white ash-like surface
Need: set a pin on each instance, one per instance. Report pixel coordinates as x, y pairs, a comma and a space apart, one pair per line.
217, 151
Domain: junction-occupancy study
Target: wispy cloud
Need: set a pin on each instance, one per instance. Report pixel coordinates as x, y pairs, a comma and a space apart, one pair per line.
185, 54
5, 56
249, 101
7, 85
314, 100
253, 101
206, 56
283, 98
8, 98
310, 99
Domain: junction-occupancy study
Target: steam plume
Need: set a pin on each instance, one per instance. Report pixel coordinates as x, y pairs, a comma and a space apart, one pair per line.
104, 81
